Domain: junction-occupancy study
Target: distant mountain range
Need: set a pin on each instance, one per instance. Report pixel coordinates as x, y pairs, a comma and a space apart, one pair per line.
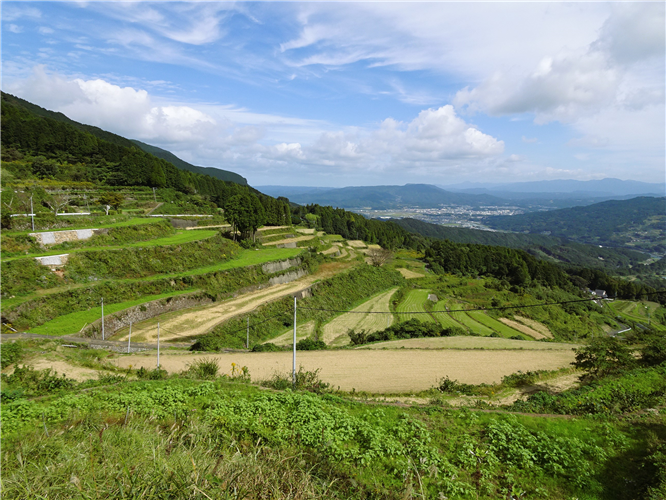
529, 195
563, 188
381, 197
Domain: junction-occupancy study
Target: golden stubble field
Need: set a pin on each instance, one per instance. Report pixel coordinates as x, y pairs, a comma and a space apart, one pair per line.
383, 371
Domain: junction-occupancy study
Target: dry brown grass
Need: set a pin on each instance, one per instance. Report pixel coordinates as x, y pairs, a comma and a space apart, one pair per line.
535, 325
356, 244
335, 332
522, 328
390, 371
408, 274
289, 240
464, 342
287, 338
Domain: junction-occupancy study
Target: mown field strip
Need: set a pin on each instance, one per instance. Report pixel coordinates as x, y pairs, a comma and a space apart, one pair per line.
445, 319
376, 371
335, 331
303, 331
409, 274
523, 328
499, 327
465, 342
414, 302
469, 322
289, 240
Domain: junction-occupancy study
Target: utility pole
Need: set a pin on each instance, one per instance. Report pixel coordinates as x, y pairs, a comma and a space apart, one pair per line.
158, 345
129, 339
293, 369
32, 214
102, 318
247, 343
154, 195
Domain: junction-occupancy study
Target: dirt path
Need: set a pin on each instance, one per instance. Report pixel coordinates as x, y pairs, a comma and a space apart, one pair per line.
149, 212
179, 325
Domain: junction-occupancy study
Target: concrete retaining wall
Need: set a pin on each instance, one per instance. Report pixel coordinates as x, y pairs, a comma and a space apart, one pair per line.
276, 267
55, 237
53, 261
287, 277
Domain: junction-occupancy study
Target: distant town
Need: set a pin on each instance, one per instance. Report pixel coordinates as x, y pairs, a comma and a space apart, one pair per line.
459, 215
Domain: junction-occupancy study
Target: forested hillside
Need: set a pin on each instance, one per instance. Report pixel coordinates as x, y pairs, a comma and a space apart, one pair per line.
639, 222
38, 147
541, 246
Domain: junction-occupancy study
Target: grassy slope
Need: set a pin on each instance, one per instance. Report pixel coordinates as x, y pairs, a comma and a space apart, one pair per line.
71, 324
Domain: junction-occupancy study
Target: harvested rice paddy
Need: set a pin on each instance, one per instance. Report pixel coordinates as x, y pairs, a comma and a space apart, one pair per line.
378, 371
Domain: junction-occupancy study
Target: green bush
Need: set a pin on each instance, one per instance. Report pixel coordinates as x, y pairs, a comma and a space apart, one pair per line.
36, 382
267, 347
204, 368
310, 345
10, 352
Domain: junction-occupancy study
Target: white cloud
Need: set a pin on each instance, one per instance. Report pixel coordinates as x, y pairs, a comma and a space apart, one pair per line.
14, 11
222, 134
45, 30
530, 140
15, 28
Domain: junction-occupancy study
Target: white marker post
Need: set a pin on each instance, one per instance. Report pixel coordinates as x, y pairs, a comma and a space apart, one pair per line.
102, 318
129, 339
293, 370
158, 345
32, 214
247, 343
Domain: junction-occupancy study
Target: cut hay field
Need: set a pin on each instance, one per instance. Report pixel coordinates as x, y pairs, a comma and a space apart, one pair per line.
464, 342
409, 274
335, 331
376, 371
523, 328
303, 331
498, 326
414, 302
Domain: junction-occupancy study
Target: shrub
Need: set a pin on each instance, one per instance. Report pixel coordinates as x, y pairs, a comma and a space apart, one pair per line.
654, 351
204, 368
310, 345
38, 381
357, 338
267, 347
305, 381
10, 353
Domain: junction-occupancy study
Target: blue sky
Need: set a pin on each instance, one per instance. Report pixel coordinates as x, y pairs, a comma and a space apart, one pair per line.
358, 93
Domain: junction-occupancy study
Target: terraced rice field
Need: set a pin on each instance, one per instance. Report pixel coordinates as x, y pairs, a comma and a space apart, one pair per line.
523, 328
473, 325
414, 302
335, 331
497, 326
303, 331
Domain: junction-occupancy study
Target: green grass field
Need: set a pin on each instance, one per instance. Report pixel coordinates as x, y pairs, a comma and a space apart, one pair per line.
414, 302
71, 324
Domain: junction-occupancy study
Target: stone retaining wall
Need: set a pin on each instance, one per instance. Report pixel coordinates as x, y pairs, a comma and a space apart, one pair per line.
276, 267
